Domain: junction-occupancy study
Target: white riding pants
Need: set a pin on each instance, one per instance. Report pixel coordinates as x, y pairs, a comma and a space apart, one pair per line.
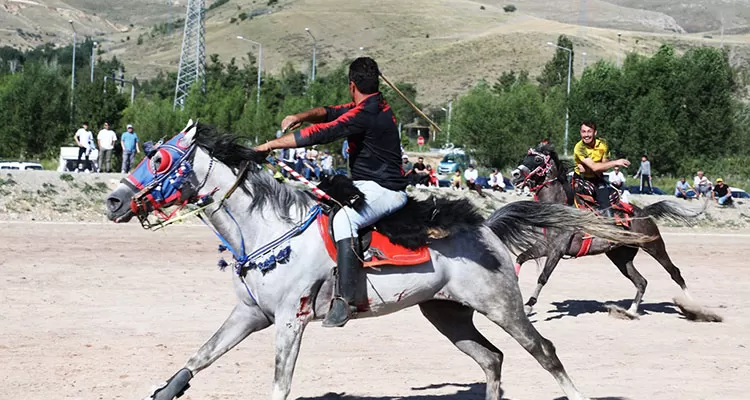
379, 202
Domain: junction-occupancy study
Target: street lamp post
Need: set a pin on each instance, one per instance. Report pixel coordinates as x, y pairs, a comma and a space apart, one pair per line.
567, 107
584, 61
448, 111
619, 35
73, 71
315, 50
93, 48
260, 61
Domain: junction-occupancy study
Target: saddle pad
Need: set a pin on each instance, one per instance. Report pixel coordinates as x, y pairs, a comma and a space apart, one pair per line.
380, 250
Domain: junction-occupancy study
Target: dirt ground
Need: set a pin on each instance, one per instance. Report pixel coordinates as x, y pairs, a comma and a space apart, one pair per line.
103, 311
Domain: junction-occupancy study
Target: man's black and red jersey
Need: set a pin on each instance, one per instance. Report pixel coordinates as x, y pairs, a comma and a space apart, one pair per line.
374, 144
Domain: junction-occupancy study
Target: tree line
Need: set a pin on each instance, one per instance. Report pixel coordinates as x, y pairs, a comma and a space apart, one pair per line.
683, 111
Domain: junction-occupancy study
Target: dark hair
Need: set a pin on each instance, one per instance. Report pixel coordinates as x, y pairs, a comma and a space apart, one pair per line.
590, 124
646, 157
84, 123
365, 75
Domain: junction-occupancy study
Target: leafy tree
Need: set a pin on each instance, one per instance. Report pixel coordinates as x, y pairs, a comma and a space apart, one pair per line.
555, 71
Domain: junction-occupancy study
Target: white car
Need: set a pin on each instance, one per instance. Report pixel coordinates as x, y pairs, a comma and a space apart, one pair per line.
21, 165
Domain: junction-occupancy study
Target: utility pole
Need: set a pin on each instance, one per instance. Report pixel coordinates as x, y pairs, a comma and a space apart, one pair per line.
260, 63
73, 72
567, 107
93, 48
315, 49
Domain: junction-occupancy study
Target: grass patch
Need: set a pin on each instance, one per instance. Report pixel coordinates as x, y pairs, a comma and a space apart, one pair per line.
101, 186
98, 188
66, 177
9, 181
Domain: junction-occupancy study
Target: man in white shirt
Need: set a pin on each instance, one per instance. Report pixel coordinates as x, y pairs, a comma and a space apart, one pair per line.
617, 179
702, 185
326, 164
84, 139
496, 180
471, 175
106, 138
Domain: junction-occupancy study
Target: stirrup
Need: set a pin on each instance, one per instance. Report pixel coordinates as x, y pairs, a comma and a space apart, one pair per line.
338, 314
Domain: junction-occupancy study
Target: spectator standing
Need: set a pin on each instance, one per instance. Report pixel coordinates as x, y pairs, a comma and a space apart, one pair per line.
496, 180
326, 164
106, 138
681, 189
644, 171
702, 185
129, 143
722, 193
84, 139
617, 178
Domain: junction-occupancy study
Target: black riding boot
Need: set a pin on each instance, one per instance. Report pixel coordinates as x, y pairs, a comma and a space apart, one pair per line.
602, 199
342, 304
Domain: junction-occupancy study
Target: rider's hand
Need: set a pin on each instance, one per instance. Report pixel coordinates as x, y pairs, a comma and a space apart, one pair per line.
290, 122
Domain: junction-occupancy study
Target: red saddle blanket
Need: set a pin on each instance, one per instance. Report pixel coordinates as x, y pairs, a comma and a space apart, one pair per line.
380, 250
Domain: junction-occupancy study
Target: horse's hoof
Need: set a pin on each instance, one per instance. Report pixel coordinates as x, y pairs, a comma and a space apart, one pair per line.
528, 310
621, 313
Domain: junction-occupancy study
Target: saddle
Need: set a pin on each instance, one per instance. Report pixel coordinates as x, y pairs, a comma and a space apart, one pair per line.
584, 197
399, 239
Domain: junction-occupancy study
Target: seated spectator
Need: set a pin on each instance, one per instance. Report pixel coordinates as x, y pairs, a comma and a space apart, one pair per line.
471, 176
300, 154
310, 164
496, 181
722, 193
456, 180
702, 185
681, 189
406, 166
617, 179
326, 164
432, 174
419, 174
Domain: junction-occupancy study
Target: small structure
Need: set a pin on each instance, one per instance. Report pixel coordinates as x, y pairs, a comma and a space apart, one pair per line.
68, 161
416, 129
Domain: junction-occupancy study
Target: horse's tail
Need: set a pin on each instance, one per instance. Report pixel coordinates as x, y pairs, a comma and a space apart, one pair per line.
668, 209
516, 224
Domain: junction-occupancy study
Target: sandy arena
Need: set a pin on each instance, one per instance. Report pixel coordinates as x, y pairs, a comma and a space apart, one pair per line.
104, 311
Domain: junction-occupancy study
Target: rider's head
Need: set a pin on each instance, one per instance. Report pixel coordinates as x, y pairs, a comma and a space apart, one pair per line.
588, 132
364, 76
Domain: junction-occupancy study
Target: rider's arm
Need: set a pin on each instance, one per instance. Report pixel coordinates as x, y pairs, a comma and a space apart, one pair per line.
350, 123
598, 167
317, 115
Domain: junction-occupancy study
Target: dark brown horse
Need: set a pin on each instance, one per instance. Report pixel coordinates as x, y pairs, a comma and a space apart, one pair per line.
543, 173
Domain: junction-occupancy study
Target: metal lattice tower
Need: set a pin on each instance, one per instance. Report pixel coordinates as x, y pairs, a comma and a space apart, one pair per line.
193, 54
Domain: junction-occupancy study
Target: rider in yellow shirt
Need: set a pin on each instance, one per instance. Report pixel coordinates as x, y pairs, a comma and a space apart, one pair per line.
591, 156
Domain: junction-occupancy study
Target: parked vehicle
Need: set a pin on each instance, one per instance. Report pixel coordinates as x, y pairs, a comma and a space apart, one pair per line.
453, 161
21, 165
654, 190
738, 193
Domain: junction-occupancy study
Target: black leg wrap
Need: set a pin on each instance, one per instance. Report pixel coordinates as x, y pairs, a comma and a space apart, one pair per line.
175, 387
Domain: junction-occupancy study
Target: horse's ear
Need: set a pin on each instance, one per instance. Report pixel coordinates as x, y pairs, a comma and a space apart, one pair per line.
189, 125
189, 134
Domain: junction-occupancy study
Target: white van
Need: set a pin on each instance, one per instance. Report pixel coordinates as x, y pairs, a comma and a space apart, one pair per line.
20, 166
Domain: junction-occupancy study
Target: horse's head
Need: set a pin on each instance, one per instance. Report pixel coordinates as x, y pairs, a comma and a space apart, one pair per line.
537, 167
164, 178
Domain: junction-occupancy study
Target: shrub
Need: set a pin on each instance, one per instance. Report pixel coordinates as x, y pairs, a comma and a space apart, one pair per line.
509, 8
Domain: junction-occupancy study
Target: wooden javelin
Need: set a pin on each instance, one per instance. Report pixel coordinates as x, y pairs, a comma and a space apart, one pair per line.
403, 96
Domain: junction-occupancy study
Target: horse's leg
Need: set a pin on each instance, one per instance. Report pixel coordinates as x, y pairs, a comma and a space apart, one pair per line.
455, 322
658, 251
290, 325
505, 308
555, 251
244, 320
623, 257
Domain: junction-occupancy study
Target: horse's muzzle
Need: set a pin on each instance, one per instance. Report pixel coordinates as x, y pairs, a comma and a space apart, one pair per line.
519, 174
118, 204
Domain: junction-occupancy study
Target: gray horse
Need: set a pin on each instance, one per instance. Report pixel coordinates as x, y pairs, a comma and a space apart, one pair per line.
470, 269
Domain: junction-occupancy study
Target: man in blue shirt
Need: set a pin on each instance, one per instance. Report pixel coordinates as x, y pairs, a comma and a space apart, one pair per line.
129, 142
681, 189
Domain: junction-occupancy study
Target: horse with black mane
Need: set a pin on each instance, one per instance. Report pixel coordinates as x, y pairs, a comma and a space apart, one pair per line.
546, 176
452, 261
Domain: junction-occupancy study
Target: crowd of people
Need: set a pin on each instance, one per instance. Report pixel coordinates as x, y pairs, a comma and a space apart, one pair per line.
702, 187
105, 143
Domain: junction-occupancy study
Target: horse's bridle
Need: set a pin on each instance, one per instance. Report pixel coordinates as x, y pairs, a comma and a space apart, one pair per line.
542, 170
